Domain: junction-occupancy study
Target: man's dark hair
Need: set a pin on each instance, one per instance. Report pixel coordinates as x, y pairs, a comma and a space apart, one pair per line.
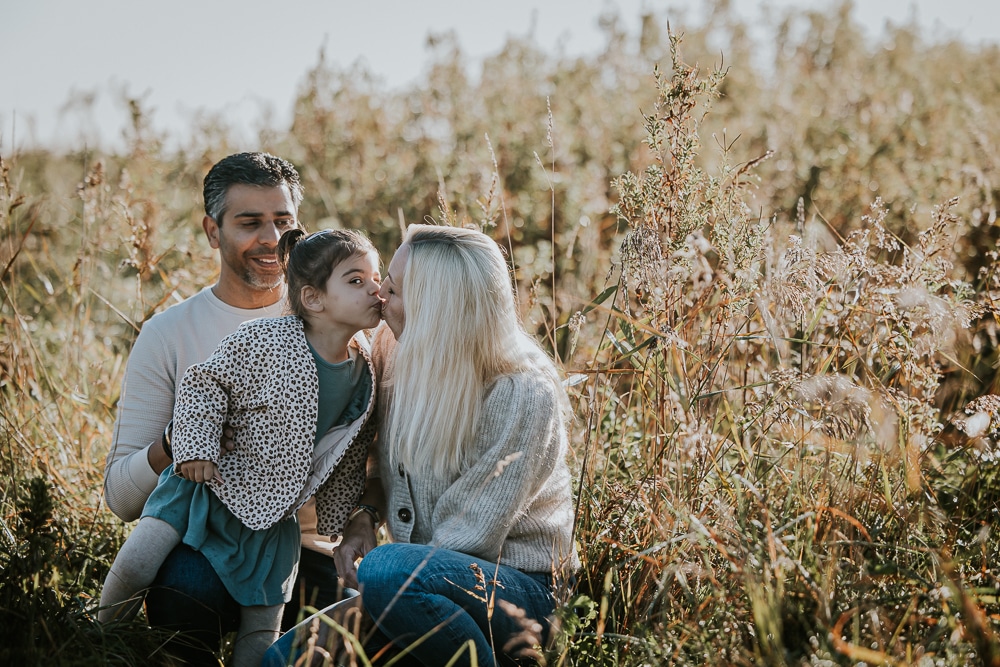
248, 169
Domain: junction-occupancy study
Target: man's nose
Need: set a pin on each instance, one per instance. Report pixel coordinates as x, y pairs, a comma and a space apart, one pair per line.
269, 234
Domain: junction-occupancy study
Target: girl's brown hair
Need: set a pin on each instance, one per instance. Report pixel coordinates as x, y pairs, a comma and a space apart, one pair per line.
309, 259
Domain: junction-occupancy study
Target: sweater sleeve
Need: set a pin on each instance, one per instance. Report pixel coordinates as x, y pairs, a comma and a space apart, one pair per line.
144, 408
517, 452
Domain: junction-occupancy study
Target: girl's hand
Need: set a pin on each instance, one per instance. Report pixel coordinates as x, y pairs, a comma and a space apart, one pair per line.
198, 471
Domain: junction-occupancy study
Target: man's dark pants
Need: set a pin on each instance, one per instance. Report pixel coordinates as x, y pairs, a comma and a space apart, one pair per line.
188, 597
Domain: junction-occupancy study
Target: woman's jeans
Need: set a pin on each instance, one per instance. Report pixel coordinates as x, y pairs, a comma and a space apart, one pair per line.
415, 591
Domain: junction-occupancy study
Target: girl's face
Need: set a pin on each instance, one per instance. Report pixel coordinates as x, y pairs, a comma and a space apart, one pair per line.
392, 292
351, 298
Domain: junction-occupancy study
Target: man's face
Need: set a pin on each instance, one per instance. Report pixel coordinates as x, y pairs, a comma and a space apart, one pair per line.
255, 218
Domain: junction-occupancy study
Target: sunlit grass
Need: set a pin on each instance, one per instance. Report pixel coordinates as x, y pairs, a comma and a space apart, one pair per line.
772, 310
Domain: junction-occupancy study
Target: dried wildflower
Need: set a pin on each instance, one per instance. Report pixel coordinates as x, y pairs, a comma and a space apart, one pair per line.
643, 266
989, 404
506, 461
980, 418
526, 643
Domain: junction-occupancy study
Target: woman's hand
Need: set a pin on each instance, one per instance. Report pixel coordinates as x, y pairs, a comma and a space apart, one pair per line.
198, 471
359, 539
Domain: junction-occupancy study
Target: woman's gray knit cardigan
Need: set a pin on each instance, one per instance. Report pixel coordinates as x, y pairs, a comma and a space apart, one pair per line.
514, 503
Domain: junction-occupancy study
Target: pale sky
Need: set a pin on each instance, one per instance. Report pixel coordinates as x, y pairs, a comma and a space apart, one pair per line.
243, 61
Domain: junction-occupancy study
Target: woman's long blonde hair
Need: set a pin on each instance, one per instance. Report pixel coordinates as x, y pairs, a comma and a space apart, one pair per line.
462, 331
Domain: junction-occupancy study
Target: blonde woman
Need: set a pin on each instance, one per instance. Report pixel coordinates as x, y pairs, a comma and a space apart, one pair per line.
473, 483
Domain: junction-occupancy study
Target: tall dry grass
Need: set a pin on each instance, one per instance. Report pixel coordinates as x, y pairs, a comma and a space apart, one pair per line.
765, 475
776, 320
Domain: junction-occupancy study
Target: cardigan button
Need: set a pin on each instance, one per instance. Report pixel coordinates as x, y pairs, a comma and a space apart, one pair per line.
402, 473
404, 515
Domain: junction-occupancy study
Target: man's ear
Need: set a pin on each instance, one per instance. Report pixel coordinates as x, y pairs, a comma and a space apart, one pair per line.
211, 228
311, 298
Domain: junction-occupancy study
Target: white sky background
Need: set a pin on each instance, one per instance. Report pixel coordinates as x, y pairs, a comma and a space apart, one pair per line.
244, 61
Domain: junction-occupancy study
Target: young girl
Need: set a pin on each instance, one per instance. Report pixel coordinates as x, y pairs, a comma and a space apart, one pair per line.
298, 392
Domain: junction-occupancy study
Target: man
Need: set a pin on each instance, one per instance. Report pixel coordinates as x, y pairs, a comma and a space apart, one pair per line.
251, 199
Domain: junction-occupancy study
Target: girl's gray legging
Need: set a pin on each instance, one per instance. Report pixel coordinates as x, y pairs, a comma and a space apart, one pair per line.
136, 566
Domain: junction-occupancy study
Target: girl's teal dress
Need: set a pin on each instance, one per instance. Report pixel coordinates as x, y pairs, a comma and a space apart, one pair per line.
257, 567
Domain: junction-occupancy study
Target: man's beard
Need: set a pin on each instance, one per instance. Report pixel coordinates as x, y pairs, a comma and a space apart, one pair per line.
262, 283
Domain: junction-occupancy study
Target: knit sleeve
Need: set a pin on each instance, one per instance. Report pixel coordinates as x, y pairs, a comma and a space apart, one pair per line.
517, 450
144, 408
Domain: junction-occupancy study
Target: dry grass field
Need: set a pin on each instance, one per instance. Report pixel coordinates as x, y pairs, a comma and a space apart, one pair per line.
771, 287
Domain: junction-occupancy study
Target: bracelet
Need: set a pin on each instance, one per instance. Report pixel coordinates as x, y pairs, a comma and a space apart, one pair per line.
168, 434
366, 509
